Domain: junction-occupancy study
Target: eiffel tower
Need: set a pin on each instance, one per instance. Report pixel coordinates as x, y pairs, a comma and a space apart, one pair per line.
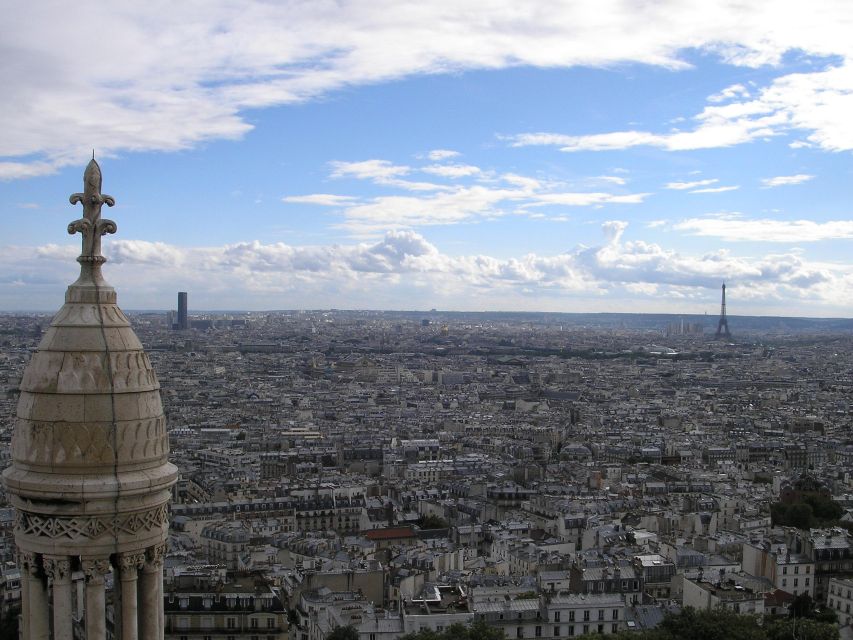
723, 326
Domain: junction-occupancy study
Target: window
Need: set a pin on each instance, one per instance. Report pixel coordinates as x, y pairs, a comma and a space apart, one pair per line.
784, 582
808, 580
556, 616
796, 569
616, 614
784, 571
254, 623
538, 632
614, 628
586, 616
183, 623
571, 629
231, 623
557, 631
519, 632
796, 582
270, 623
571, 616
808, 568
601, 614
585, 629
601, 628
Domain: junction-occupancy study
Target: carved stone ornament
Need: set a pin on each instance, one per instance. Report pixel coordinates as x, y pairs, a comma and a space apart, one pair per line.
154, 556
91, 225
57, 568
28, 562
130, 561
96, 569
92, 527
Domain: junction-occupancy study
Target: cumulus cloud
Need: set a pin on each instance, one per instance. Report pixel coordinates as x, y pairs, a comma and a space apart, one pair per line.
402, 269
165, 76
779, 181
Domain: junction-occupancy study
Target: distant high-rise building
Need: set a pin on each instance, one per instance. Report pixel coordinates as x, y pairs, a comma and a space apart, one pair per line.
182, 311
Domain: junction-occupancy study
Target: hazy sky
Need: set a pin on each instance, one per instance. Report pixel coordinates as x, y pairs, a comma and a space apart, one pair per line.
575, 156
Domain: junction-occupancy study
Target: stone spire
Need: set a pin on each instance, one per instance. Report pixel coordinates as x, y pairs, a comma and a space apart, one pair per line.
90, 477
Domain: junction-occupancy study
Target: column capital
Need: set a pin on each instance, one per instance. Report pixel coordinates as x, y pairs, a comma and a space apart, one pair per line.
95, 569
29, 562
129, 564
57, 567
154, 557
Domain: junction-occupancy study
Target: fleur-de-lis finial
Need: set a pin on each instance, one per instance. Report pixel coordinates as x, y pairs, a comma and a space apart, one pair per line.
91, 225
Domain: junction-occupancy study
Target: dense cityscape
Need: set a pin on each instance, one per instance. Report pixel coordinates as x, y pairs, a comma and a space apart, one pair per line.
549, 475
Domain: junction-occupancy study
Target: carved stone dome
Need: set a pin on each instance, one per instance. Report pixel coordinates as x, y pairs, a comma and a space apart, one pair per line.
90, 473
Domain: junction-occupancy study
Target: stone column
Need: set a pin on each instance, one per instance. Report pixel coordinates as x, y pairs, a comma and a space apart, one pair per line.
58, 569
95, 609
151, 594
37, 608
129, 564
24, 561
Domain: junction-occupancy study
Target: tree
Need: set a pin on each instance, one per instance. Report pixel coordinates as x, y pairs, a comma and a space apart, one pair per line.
719, 624
800, 515
795, 628
9, 625
348, 632
477, 631
433, 522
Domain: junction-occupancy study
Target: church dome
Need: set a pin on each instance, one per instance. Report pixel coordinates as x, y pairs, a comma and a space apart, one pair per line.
90, 473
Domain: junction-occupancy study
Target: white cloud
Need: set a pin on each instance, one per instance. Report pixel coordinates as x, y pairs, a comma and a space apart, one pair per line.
437, 155
165, 77
716, 189
730, 92
452, 170
402, 269
322, 199
612, 179
779, 181
484, 197
377, 170
381, 172
816, 103
689, 185
734, 228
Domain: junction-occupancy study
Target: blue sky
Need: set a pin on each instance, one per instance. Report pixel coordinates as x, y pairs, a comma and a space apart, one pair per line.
584, 156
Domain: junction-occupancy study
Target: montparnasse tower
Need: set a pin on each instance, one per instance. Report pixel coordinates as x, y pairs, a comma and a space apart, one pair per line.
90, 477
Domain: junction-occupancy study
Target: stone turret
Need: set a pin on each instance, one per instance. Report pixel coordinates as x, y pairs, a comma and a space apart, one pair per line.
90, 478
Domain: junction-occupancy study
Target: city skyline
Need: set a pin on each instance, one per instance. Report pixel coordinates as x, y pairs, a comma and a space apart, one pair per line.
370, 156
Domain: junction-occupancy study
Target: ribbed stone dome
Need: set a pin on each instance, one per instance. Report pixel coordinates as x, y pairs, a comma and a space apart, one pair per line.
90, 470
